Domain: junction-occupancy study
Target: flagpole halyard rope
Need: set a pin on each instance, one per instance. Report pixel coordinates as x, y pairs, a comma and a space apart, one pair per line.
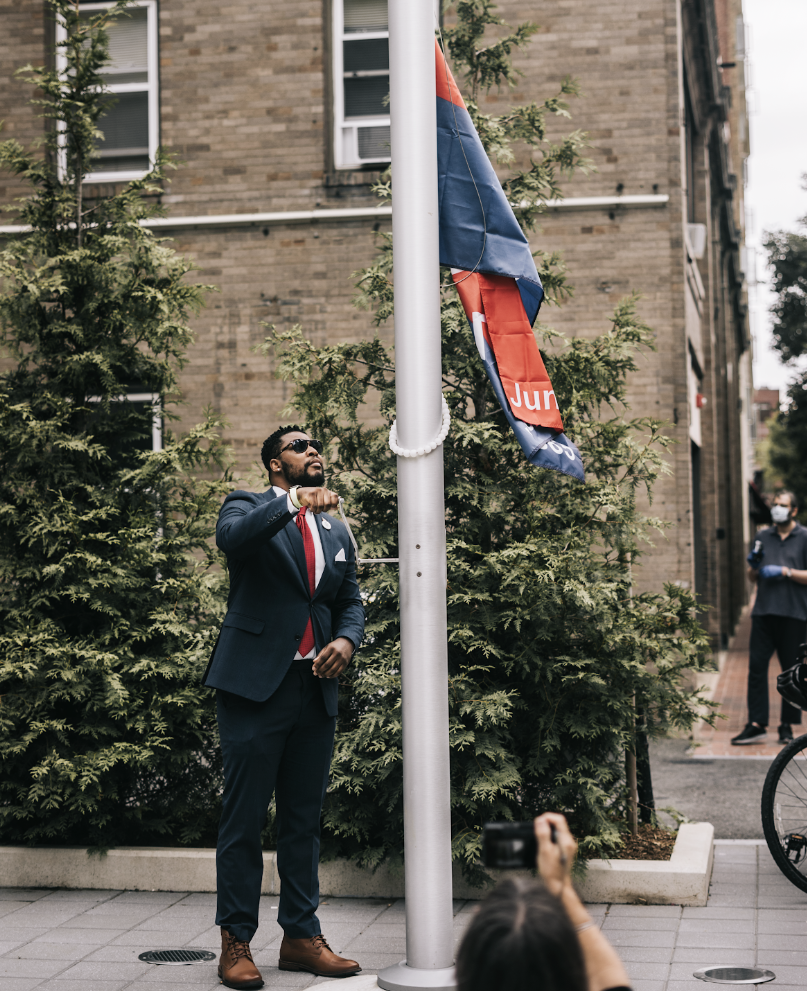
418, 452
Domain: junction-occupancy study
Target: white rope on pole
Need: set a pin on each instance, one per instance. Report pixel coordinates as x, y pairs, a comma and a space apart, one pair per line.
418, 452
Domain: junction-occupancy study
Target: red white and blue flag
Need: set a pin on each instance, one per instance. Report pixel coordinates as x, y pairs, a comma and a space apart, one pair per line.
495, 274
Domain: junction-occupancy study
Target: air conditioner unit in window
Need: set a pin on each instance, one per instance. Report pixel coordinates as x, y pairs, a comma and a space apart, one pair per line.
365, 143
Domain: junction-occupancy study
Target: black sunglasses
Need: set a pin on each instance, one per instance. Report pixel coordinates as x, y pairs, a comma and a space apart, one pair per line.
300, 446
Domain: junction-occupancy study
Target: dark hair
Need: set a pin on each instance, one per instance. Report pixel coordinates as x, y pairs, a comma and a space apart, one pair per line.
794, 502
520, 937
272, 444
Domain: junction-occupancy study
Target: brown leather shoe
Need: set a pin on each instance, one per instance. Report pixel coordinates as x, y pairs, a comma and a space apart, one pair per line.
314, 955
236, 967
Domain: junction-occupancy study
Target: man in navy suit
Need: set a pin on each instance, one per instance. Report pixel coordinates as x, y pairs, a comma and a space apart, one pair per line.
293, 621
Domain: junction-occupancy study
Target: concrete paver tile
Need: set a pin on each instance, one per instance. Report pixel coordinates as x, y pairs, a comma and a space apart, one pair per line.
699, 956
732, 901
787, 975
160, 899
646, 925
83, 894
86, 970
9, 906
779, 903
7, 945
716, 912
630, 937
24, 894
23, 935
718, 925
648, 985
733, 888
642, 911
779, 957
372, 944
117, 954
29, 915
693, 984
782, 928
197, 974
21, 983
66, 934
644, 971
151, 930
646, 954
53, 951
397, 929
56, 985
30, 968
151, 940
111, 921
377, 961
714, 941
166, 986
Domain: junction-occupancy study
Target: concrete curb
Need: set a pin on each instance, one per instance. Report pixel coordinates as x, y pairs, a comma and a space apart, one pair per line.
681, 880
684, 880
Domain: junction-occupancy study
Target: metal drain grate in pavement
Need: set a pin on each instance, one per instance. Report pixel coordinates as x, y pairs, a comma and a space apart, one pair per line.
734, 975
176, 958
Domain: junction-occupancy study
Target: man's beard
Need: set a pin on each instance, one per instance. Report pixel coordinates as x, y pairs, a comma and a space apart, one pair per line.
312, 478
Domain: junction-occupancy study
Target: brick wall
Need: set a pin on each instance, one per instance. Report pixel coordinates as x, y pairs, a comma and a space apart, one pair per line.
245, 94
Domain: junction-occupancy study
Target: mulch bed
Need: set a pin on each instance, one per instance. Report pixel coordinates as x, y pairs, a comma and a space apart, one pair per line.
652, 843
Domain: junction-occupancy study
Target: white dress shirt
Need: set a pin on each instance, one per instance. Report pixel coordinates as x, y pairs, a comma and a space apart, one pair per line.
319, 556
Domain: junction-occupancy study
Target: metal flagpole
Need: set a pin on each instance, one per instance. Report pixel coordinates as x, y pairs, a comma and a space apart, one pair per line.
421, 509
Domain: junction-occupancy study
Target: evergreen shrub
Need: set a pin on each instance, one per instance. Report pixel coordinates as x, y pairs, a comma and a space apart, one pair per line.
107, 595
551, 653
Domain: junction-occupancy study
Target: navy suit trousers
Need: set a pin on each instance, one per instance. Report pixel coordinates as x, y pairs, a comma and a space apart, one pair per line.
281, 746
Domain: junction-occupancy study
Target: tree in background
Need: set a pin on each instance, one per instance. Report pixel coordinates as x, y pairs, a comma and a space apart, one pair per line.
106, 592
550, 653
787, 451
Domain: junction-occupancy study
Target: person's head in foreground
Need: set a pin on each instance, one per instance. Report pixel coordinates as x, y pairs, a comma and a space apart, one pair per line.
538, 934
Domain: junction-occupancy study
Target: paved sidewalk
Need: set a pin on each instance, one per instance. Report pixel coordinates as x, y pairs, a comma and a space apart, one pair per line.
90, 940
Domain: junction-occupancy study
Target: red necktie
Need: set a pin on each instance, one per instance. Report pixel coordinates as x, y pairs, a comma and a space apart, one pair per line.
310, 559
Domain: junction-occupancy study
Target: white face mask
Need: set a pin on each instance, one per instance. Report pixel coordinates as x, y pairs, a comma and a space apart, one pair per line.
780, 514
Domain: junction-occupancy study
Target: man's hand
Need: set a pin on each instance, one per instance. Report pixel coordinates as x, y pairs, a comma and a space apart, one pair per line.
334, 657
317, 500
775, 571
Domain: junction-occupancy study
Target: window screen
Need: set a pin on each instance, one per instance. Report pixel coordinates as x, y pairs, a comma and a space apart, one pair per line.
361, 65
129, 127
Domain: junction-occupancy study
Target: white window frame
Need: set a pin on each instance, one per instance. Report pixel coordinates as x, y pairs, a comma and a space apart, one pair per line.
152, 87
156, 412
346, 132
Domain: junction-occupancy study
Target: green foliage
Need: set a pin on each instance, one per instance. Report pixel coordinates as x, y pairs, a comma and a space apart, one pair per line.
548, 648
787, 453
107, 597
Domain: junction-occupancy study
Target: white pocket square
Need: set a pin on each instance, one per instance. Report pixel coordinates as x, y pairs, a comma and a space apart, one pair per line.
341, 555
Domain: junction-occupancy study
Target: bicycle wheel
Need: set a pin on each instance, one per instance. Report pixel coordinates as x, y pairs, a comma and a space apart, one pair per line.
784, 811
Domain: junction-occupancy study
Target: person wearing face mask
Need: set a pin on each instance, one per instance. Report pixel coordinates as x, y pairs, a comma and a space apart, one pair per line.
778, 565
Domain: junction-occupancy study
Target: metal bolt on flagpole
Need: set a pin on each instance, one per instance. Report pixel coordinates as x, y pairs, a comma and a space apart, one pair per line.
421, 510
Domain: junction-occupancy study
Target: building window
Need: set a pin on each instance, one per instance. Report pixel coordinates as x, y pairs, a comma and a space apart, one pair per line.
361, 83
137, 416
131, 125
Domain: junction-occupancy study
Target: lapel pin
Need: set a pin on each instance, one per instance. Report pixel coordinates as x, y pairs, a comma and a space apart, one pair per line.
326, 524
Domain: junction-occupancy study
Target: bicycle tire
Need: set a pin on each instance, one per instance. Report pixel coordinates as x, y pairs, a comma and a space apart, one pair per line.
784, 807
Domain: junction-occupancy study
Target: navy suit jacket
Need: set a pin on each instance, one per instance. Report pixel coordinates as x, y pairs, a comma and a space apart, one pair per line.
270, 602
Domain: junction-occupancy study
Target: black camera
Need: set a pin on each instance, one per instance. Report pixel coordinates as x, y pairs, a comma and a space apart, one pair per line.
509, 844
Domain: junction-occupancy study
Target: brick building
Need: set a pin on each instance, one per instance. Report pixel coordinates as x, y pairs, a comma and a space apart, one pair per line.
277, 111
